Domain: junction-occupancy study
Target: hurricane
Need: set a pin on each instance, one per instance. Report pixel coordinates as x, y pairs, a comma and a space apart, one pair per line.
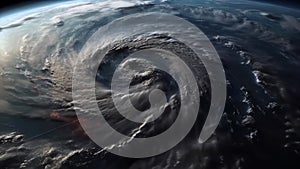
150, 84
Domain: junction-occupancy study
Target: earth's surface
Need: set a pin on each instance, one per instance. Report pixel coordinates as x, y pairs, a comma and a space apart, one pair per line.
259, 45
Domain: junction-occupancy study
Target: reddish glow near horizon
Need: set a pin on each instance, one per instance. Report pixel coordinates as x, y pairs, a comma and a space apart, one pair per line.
74, 122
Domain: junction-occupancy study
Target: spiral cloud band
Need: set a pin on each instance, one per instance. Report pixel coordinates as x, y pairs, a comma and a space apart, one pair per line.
138, 25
